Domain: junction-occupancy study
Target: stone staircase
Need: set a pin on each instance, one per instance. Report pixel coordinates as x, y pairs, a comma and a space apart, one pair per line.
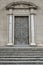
21, 55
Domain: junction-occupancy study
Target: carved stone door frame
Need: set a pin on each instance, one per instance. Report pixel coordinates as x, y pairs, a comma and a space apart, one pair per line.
22, 5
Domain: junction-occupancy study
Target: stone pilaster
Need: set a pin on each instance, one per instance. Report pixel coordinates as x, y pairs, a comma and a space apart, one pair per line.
10, 30
32, 21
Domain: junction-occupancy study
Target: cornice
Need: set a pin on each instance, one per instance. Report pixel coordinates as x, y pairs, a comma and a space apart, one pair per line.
21, 5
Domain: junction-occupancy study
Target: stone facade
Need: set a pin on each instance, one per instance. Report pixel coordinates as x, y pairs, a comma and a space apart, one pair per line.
4, 20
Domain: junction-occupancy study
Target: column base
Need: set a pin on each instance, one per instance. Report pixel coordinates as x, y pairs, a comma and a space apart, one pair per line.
32, 43
10, 44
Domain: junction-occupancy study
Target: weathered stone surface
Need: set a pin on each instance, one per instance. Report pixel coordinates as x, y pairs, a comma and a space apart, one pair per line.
21, 55
4, 21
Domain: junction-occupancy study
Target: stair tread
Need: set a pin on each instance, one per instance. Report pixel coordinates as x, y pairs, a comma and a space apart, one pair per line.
14, 55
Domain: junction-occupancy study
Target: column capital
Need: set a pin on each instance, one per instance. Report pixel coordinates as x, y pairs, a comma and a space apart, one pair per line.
10, 12
32, 12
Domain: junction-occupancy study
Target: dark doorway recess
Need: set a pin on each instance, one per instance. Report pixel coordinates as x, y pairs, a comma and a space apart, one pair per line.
21, 30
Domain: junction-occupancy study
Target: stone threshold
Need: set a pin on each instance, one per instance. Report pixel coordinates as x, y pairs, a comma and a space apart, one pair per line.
24, 47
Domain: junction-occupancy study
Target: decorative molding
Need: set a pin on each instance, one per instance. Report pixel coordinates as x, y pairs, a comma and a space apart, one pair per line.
21, 5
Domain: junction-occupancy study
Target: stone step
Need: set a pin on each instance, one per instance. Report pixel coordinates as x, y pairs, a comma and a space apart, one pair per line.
21, 59
21, 56
21, 62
